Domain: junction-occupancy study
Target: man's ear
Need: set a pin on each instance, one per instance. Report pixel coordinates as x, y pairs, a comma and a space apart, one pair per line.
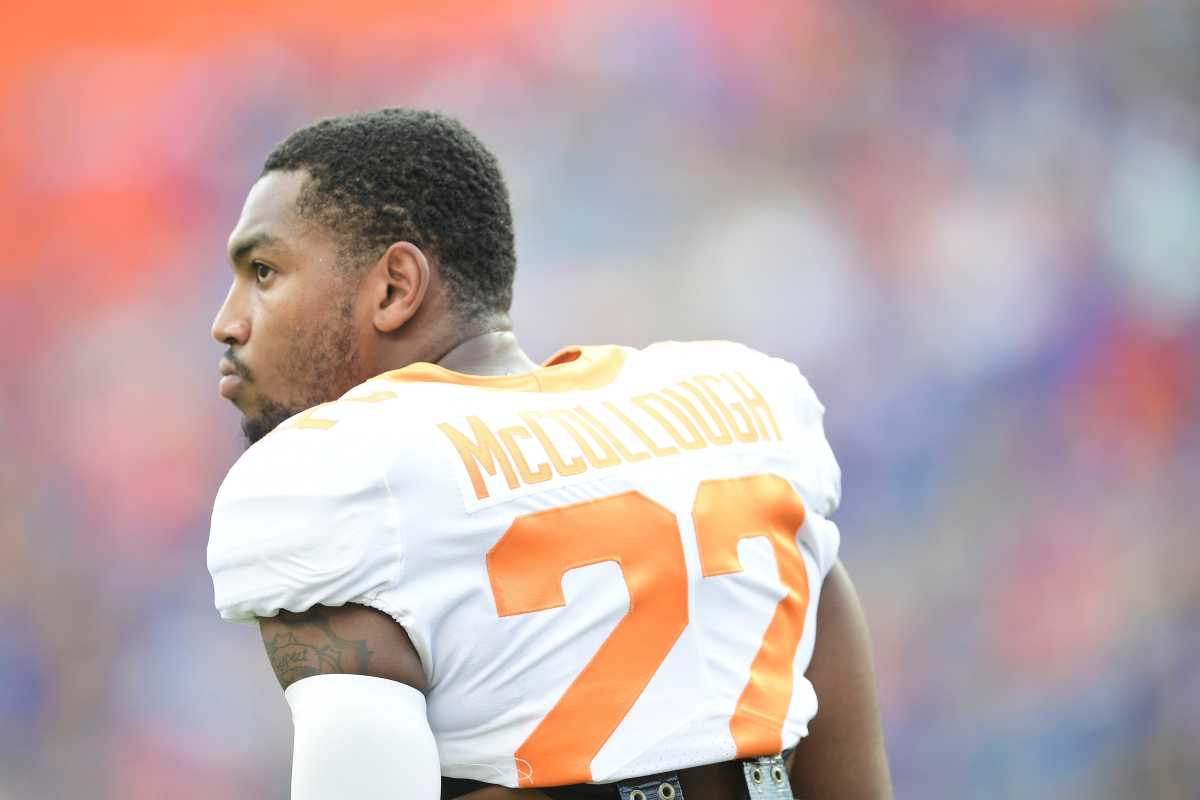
401, 283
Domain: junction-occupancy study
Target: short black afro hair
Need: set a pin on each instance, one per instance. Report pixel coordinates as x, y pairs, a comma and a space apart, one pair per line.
400, 174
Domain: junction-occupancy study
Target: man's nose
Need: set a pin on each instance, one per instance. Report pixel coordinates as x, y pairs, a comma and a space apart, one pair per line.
232, 326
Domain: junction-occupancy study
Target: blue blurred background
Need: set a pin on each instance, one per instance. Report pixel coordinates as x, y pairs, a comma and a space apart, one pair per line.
974, 225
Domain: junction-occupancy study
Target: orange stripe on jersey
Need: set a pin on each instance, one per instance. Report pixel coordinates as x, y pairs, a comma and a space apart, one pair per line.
569, 369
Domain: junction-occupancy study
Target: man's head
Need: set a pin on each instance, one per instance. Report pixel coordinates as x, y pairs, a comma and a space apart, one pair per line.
368, 242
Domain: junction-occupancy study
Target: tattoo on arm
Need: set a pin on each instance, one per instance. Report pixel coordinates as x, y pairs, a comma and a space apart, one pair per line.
308, 646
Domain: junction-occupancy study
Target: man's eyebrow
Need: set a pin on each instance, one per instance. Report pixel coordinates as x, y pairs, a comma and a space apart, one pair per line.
244, 247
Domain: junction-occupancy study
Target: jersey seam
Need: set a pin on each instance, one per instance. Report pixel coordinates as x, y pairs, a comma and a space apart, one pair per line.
395, 520
405, 617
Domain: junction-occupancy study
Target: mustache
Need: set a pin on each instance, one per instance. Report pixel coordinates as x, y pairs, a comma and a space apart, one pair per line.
242, 370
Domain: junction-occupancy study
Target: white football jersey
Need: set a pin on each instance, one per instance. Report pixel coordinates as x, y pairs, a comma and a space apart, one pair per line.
609, 566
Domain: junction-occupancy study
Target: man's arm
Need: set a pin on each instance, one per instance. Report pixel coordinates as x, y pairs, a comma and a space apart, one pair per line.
350, 639
354, 682
843, 755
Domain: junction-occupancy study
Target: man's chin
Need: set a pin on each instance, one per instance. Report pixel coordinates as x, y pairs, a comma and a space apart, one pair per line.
264, 420
254, 429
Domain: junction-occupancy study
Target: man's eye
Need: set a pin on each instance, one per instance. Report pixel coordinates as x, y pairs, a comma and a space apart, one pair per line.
262, 272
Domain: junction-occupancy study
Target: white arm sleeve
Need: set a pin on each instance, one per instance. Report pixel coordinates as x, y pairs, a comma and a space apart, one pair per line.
362, 737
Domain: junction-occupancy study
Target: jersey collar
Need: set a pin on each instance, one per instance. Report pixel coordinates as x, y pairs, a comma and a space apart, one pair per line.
570, 369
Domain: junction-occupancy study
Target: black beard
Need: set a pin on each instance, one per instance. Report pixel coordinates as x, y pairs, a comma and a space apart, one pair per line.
266, 420
319, 358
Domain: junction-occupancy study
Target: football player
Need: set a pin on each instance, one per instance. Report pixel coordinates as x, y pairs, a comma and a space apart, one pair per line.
611, 575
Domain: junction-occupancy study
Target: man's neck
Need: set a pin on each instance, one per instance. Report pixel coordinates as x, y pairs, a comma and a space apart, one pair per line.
495, 353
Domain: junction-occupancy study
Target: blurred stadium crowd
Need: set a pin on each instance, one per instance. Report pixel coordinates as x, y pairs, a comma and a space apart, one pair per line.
975, 226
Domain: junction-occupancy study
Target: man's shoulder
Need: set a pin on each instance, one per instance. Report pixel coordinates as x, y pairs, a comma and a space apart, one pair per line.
723, 347
329, 449
722, 356
719, 352
306, 515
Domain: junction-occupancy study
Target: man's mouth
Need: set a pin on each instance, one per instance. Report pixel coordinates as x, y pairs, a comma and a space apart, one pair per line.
231, 381
229, 385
